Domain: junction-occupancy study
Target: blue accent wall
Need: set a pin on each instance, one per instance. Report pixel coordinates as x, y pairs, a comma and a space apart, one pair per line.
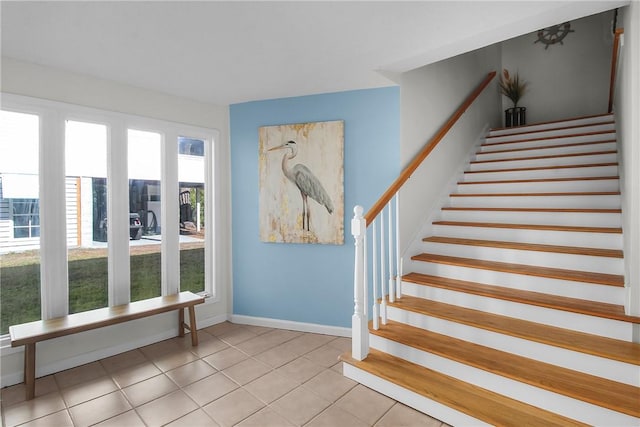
308, 283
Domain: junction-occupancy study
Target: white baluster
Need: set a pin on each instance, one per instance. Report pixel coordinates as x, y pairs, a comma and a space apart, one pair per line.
374, 263
398, 257
360, 333
392, 283
383, 280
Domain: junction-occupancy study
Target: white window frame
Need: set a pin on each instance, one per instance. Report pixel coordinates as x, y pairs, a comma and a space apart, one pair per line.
53, 244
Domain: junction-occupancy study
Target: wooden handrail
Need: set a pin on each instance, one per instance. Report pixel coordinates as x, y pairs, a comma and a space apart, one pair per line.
614, 66
429, 146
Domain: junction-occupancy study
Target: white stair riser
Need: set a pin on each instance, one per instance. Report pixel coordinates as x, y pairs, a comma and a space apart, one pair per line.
554, 151
545, 162
579, 219
574, 186
589, 364
545, 201
594, 264
546, 316
489, 147
586, 291
606, 118
573, 172
530, 394
543, 237
551, 133
411, 399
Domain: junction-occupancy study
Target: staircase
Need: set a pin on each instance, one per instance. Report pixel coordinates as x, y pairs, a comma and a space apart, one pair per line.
512, 313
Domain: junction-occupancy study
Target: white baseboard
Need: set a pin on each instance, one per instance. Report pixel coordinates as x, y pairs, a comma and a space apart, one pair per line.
291, 325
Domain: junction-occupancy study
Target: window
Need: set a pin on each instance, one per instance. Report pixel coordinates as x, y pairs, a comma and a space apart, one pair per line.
86, 207
110, 183
19, 218
191, 177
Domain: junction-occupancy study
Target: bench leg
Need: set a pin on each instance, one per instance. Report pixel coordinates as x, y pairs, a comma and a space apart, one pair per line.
192, 325
30, 370
181, 322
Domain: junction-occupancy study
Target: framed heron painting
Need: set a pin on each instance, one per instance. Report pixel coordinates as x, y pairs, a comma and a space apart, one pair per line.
302, 183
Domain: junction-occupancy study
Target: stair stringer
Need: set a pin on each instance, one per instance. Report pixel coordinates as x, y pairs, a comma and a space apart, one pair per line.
413, 245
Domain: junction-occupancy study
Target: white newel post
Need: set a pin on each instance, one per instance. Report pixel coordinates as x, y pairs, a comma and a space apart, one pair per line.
359, 330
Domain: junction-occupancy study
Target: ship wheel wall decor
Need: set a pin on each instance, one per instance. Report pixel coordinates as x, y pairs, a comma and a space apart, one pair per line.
553, 34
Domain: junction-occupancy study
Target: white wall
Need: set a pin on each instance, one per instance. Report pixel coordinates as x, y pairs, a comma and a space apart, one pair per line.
41, 82
428, 97
565, 80
627, 109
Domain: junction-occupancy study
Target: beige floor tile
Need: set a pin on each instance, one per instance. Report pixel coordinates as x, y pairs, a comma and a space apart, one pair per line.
403, 416
325, 356
258, 330
246, 371
123, 360
209, 389
236, 336
266, 417
135, 374
330, 385
335, 416
197, 418
80, 374
270, 387
210, 346
221, 328
280, 355
57, 419
225, 358
149, 389
166, 409
127, 419
233, 407
300, 370
169, 361
308, 342
31, 409
300, 405
366, 404
88, 390
99, 409
16, 393
156, 350
341, 343
264, 342
191, 372
338, 368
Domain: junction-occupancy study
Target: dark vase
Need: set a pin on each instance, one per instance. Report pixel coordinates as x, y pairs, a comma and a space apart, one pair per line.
515, 116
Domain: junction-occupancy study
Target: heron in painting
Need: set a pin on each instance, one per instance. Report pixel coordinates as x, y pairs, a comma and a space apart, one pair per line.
308, 184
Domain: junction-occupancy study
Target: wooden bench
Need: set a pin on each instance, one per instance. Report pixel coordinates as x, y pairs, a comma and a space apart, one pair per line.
28, 334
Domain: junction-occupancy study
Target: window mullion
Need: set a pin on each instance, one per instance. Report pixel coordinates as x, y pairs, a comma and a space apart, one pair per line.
118, 215
53, 238
170, 221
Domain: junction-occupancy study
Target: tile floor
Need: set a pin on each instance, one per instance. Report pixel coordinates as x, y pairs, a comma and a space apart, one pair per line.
238, 375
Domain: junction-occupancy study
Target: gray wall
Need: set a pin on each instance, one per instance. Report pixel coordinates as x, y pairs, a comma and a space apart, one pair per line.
565, 80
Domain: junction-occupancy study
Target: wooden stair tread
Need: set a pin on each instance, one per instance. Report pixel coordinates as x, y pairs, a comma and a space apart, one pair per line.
573, 210
543, 138
582, 193
573, 305
585, 387
528, 270
555, 156
477, 402
516, 181
588, 165
595, 345
611, 230
564, 121
545, 147
575, 250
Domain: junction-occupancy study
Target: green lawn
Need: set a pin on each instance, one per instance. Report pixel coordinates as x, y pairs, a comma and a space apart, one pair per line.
20, 284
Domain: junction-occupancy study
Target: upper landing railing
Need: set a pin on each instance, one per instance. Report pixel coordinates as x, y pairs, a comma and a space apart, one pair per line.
614, 65
384, 245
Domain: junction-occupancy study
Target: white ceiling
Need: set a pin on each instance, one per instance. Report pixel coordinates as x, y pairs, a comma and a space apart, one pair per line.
236, 51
